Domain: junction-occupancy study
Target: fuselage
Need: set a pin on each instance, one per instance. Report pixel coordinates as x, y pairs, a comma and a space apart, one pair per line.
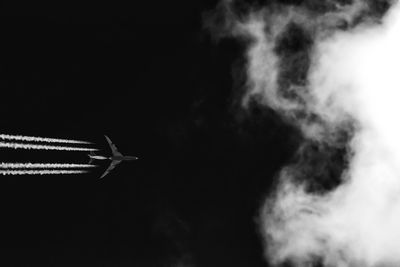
123, 158
119, 158
97, 157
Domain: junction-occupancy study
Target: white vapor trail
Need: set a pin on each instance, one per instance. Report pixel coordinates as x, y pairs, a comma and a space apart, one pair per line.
28, 165
353, 80
40, 139
44, 147
40, 172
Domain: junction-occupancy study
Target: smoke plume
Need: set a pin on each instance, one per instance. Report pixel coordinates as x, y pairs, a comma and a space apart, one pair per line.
333, 72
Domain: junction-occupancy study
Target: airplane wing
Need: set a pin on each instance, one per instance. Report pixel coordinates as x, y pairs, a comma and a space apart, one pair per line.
114, 149
113, 164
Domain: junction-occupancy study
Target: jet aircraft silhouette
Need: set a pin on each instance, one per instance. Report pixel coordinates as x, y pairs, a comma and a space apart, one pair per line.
116, 157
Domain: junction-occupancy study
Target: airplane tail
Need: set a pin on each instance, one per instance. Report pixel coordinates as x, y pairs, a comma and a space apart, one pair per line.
90, 158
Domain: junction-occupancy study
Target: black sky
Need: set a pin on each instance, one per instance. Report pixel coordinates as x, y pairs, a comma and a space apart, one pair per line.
155, 81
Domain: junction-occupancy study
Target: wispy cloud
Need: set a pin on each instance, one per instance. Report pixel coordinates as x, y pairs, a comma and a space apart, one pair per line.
347, 60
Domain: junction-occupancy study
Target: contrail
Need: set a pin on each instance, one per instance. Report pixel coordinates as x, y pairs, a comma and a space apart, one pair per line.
44, 147
40, 139
40, 172
28, 165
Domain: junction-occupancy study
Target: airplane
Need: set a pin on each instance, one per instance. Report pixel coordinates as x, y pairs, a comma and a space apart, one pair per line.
116, 157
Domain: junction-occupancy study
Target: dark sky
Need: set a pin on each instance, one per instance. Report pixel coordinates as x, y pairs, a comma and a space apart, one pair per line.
158, 84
